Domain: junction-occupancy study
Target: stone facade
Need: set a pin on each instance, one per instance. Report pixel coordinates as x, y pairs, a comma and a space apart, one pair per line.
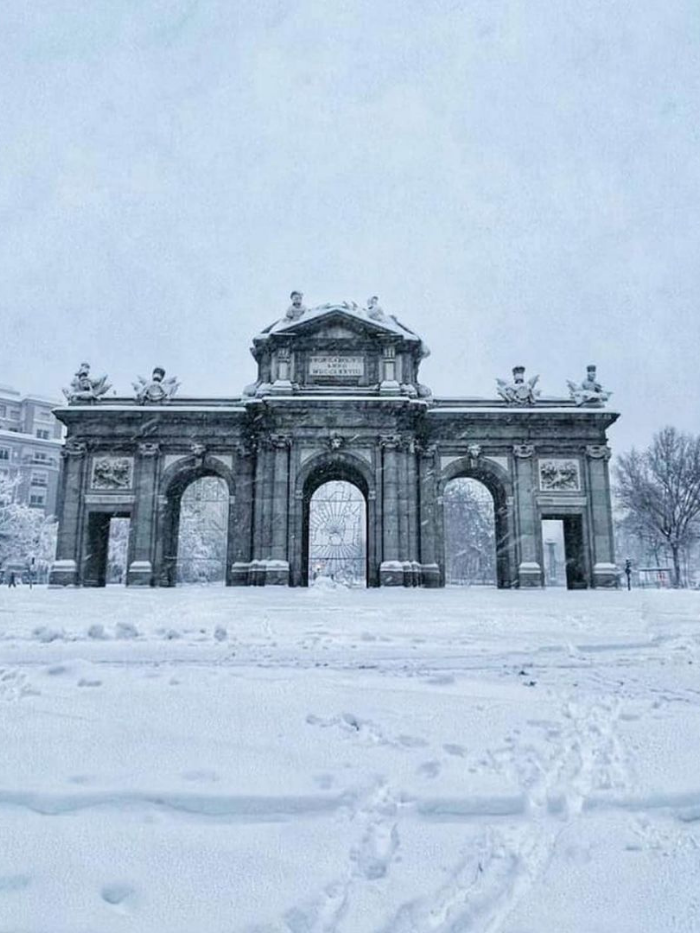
337, 397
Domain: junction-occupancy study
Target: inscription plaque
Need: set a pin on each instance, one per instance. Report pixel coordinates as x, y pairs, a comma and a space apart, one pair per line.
336, 365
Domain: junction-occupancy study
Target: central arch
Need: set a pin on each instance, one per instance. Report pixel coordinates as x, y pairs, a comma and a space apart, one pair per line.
336, 467
498, 483
176, 481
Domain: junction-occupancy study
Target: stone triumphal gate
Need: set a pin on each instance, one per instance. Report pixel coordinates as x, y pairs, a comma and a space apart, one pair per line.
337, 397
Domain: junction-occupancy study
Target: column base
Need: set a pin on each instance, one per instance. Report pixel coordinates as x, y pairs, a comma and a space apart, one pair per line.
430, 576
392, 573
605, 576
63, 573
239, 574
139, 573
389, 387
529, 574
266, 573
281, 387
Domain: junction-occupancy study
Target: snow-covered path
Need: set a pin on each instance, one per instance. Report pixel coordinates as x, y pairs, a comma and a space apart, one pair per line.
276, 761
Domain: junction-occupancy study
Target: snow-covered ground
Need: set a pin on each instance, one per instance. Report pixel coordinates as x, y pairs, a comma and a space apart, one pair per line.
277, 761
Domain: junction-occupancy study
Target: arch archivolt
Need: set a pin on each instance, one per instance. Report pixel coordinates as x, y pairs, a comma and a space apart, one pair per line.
177, 476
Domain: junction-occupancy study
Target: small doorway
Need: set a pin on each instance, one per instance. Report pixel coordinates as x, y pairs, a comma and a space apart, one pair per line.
336, 534
107, 548
562, 545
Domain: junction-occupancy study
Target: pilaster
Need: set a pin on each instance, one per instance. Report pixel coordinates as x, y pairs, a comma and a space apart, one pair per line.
529, 569
603, 557
65, 568
143, 518
427, 516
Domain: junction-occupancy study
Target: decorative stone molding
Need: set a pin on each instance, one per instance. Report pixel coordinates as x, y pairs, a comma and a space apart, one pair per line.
523, 451
474, 451
335, 441
198, 451
598, 452
148, 449
390, 441
280, 441
427, 450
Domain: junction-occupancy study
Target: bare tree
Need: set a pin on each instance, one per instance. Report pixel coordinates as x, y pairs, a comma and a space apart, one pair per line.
659, 488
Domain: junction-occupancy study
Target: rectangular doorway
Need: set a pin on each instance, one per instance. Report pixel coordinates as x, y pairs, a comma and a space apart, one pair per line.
107, 543
564, 553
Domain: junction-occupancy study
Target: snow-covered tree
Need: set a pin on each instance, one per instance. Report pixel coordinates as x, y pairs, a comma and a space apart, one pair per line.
658, 490
25, 533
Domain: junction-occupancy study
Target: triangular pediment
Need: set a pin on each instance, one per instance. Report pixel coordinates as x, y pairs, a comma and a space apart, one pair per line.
337, 323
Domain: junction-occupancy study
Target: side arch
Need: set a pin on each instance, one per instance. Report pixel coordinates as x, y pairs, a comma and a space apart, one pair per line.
174, 481
500, 485
324, 468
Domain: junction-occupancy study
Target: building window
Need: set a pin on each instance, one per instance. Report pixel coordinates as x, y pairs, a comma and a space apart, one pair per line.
14, 414
40, 478
3, 411
44, 415
37, 499
4, 453
39, 457
43, 434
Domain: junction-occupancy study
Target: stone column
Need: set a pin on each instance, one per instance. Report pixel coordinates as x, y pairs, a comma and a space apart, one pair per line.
278, 565
528, 527
391, 568
600, 509
257, 565
427, 515
412, 484
65, 568
241, 531
402, 503
143, 518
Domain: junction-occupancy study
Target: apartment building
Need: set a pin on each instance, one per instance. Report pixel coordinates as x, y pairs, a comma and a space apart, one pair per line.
30, 447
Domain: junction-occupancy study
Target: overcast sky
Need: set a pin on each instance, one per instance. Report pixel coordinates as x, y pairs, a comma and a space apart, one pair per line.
518, 181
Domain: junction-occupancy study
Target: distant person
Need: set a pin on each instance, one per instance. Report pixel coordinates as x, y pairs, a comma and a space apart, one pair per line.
628, 573
11, 581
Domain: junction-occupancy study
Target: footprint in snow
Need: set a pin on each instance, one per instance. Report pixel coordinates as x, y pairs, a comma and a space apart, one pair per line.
116, 893
429, 769
459, 751
412, 741
10, 883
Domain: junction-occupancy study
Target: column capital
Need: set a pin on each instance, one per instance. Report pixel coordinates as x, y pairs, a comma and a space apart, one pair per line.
427, 450
390, 441
523, 451
148, 449
598, 452
73, 448
280, 441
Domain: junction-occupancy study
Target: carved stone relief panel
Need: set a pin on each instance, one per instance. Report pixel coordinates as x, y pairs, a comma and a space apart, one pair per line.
559, 475
112, 472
